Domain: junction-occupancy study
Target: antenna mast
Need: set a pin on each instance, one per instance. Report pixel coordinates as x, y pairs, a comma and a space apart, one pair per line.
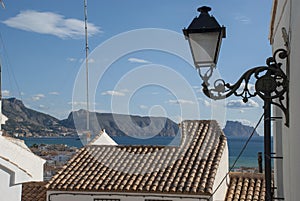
86, 66
1, 115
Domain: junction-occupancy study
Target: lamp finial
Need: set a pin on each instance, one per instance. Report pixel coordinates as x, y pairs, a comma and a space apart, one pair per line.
204, 9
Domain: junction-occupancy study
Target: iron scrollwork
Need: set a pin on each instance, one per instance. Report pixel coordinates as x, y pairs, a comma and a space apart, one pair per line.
271, 84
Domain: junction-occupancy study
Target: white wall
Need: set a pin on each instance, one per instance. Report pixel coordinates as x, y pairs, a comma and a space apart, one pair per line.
17, 153
17, 165
122, 197
222, 171
8, 193
278, 149
288, 16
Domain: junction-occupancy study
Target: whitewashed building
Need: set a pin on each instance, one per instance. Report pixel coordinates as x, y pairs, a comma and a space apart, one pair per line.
285, 33
103, 139
191, 171
18, 165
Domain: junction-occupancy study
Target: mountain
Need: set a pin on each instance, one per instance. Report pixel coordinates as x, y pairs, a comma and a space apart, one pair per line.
120, 124
237, 129
23, 121
27, 122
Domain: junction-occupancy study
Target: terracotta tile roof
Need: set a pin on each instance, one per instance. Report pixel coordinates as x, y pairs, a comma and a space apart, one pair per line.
246, 186
34, 191
186, 169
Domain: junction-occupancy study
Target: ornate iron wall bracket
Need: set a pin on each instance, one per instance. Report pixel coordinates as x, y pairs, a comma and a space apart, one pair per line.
271, 85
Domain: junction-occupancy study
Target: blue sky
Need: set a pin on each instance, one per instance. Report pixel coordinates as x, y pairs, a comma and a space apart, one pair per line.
42, 51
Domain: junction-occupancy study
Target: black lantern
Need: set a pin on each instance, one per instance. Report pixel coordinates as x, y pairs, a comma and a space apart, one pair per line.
205, 37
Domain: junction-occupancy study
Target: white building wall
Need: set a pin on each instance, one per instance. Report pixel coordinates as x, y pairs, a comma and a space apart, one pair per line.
278, 149
221, 173
80, 196
288, 16
8, 192
17, 153
17, 165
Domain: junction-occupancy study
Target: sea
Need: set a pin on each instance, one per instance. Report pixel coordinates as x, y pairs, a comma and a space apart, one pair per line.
235, 144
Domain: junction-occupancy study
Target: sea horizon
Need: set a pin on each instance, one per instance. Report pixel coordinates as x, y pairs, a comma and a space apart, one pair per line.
235, 145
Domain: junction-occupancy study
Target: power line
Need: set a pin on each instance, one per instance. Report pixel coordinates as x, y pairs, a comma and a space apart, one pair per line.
11, 74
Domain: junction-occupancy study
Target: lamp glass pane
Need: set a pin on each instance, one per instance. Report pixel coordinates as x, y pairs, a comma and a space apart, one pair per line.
204, 47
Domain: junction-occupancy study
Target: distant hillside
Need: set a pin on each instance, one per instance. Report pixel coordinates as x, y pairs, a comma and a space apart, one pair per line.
120, 124
27, 122
237, 129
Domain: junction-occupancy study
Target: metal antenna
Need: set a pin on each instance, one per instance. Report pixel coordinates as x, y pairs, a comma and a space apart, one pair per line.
86, 66
1, 115
2, 4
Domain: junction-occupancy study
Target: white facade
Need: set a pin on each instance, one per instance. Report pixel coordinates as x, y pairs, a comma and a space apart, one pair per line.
80, 196
103, 139
286, 15
17, 165
220, 193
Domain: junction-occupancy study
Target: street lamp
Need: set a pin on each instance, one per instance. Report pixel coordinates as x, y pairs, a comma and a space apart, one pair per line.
205, 36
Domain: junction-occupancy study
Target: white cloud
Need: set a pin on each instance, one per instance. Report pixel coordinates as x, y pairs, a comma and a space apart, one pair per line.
43, 107
143, 107
5, 93
50, 23
237, 104
79, 104
71, 59
37, 97
243, 19
91, 60
246, 122
205, 102
181, 101
113, 93
54, 93
137, 60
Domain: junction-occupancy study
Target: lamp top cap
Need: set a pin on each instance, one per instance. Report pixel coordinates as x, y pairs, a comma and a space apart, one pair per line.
204, 9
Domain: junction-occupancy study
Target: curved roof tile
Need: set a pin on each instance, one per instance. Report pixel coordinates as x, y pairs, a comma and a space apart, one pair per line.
186, 169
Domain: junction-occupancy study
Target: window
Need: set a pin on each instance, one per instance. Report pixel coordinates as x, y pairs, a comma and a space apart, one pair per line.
97, 199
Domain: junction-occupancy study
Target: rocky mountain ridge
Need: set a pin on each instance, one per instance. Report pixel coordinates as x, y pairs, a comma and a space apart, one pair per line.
237, 129
23, 121
26, 122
